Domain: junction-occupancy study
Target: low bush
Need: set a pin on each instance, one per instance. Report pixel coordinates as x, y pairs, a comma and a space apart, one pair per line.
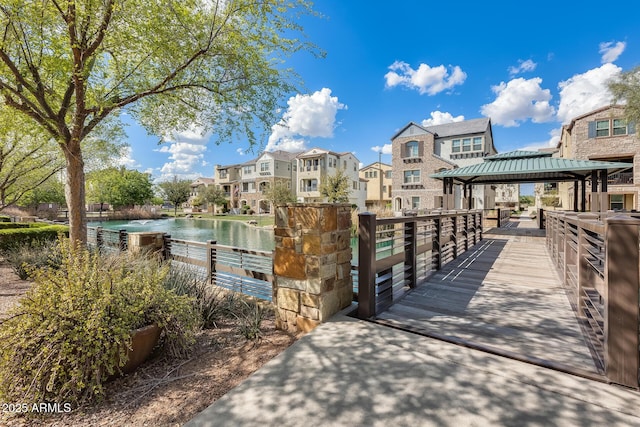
71, 331
5, 218
15, 237
211, 302
250, 316
37, 254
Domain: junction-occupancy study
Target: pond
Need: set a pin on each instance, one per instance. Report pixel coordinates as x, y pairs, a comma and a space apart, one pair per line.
231, 233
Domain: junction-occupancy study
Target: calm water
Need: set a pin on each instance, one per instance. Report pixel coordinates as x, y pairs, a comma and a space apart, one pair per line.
232, 233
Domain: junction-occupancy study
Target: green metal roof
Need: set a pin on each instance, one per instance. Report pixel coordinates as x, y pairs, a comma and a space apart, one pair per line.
518, 154
528, 168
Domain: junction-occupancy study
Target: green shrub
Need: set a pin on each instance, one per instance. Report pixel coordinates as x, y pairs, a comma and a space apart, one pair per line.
211, 302
251, 316
15, 237
72, 329
37, 254
5, 218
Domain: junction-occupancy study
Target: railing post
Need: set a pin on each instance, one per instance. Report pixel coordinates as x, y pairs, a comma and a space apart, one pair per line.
211, 261
454, 237
584, 270
541, 223
166, 247
435, 245
366, 265
410, 241
622, 277
123, 240
99, 240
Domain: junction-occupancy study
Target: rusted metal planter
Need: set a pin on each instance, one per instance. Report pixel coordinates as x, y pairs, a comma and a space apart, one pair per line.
143, 341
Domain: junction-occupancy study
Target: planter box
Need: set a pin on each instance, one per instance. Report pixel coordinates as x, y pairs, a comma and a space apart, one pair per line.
143, 341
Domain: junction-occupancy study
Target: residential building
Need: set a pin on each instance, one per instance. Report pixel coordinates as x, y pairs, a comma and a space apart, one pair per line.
418, 151
508, 196
228, 178
604, 135
197, 189
245, 184
258, 175
379, 184
316, 164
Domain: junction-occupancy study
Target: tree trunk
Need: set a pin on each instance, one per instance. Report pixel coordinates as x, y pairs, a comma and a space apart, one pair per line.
75, 194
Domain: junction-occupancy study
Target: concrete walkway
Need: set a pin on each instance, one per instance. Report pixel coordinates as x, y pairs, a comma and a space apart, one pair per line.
349, 372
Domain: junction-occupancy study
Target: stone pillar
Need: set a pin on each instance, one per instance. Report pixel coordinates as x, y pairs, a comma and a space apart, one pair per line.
312, 264
147, 241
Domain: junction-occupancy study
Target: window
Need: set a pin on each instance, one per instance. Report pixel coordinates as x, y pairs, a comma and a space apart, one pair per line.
415, 202
247, 170
344, 165
309, 185
455, 146
619, 127
375, 174
616, 201
466, 144
602, 128
264, 167
477, 144
388, 174
384, 188
355, 185
411, 177
411, 148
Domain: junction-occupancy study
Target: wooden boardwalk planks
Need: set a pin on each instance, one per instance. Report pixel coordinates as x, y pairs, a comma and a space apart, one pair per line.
503, 294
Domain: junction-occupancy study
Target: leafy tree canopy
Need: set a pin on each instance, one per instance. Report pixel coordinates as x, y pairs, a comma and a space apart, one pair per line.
176, 191
279, 194
120, 187
73, 66
627, 89
335, 187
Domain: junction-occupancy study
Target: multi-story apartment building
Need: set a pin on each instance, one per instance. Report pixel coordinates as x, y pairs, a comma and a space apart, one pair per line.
197, 188
379, 183
245, 184
419, 151
258, 175
605, 135
508, 196
228, 178
316, 164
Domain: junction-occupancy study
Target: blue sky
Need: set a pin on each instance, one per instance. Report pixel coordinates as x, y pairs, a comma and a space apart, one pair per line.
530, 68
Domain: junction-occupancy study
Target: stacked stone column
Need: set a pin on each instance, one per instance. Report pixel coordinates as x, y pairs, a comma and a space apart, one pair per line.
312, 264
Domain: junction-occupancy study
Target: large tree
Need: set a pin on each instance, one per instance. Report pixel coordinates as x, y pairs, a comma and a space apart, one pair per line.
279, 194
214, 196
119, 187
70, 65
176, 191
626, 88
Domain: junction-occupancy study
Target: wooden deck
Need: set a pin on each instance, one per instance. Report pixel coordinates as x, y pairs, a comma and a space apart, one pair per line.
504, 296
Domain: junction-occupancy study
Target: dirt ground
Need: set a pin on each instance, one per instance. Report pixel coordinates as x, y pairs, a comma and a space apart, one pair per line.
162, 392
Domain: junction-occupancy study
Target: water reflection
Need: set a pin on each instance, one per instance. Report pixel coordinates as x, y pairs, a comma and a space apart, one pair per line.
232, 233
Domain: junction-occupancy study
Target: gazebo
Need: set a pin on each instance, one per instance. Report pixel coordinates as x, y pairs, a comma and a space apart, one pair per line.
532, 166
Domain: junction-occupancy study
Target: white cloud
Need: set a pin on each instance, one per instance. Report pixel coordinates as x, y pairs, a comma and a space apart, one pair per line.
186, 152
126, 160
426, 79
586, 92
552, 142
519, 100
440, 118
523, 66
385, 149
308, 116
611, 51
240, 151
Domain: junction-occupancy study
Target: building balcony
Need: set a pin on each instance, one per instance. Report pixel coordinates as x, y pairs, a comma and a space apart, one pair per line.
620, 178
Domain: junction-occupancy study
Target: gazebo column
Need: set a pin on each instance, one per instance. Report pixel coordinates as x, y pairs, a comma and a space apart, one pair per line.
594, 192
604, 195
470, 196
583, 191
575, 196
